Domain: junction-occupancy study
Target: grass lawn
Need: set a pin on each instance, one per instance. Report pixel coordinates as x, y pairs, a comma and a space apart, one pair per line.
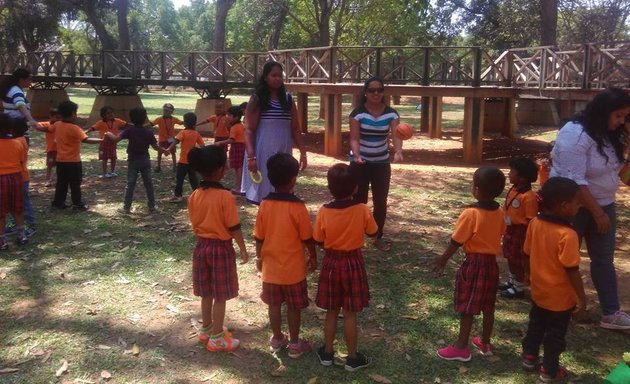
111, 294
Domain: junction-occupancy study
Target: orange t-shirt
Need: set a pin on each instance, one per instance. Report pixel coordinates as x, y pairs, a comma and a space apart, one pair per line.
50, 137
237, 133
553, 247
520, 207
212, 212
68, 137
166, 127
188, 138
342, 225
283, 224
113, 126
480, 229
13, 156
221, 125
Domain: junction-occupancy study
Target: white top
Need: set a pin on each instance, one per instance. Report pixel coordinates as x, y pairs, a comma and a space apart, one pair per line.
575, 156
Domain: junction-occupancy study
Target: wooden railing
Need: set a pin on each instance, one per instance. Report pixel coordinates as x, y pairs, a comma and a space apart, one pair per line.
587, 66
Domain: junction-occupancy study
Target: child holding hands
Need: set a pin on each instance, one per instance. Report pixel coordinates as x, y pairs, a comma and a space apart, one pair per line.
189, 138
215, 221
166, 133
341, 226
107, 148
557, 292
478, 229
237, 145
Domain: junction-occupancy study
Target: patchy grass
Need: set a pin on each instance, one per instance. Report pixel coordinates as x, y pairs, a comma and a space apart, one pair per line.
107, 291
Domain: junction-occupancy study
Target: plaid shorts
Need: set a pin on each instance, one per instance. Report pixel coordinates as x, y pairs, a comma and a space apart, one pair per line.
476, 284
343, 281
295, 295
107, 150
166, 144
237, 154
513, 240
51, 159
214, 269
11, 194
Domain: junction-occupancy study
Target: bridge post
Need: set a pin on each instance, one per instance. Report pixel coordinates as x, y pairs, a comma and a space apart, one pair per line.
42, 100
302, 109
332, 125
424, 100
434, 118
473, 129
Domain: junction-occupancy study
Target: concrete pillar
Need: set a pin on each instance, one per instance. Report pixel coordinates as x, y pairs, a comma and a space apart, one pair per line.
121, 104
206, 108
42, 100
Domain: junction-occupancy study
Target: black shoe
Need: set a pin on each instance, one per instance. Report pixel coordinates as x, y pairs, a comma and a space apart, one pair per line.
513, 293
3, 245
80, 207
21, 239
505, 286
361, 361
59, 206
325, 359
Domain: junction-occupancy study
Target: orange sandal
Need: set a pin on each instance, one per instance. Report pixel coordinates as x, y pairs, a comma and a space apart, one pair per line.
222, 343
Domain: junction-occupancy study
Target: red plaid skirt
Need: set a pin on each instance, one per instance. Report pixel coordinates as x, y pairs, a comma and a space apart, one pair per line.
214, 269
107, 150
295, 295
51, 159
11, 197
237, 154
513, 240
476, 284
343, 281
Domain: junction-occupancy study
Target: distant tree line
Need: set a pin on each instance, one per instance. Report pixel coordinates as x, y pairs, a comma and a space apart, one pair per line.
260, 25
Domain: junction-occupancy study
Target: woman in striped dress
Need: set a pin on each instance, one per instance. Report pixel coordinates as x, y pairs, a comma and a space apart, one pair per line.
370, 126
272, 127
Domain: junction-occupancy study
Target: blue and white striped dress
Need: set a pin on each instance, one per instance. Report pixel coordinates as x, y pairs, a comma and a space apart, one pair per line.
273, 135
373, 133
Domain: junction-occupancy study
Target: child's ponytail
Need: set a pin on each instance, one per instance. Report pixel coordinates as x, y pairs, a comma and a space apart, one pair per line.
207, 160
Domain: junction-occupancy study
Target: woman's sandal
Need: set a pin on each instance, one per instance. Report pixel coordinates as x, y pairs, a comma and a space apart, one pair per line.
383, 245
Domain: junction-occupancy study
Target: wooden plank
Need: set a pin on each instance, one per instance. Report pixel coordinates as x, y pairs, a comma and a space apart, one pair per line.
509, 113
406, 90
332, 125
435, 117
302, 109
473, 129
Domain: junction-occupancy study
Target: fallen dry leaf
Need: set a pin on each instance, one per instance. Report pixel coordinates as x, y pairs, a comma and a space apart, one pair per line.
123, 280
102, 346
106, 375
312, 380
83, 381
493, 358
279, 371
380, 379
172, 308
463, 369
440, 342
63, 369
380, 306
106, 234
135, 350
8, 370
24, 287
409, 317
3, 275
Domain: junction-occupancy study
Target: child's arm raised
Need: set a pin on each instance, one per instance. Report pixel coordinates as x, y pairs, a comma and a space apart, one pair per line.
238, 236
576, 282
440, 261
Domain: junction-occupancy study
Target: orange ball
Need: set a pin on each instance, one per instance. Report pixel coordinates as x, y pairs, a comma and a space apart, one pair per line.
404, 131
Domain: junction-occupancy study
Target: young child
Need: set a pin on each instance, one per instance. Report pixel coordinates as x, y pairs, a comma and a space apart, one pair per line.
282, 229
11, 185
107, 149
69, 137
138, 160
166, 133
557, 292
51, 146
478, 229
341, 226
189, 139
521, 205
237, 146
214, 219
221, 124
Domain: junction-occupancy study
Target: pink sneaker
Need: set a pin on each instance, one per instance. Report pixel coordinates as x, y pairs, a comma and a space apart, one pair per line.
484, 348
452, 353
298, 349
277, 344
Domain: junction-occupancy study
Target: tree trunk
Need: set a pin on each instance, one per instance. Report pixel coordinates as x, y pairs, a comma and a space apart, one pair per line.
549, 22
281, 17
123, 26
223, 7
94, 18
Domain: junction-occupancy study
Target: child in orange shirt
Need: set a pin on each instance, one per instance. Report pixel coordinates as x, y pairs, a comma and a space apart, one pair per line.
521, 205
166, 133
214, 219
281, 231
189, 138
12, 164
51, 146
69, 137
221, 124
478, 229
107, 148
237, 145
557, 292
341, 226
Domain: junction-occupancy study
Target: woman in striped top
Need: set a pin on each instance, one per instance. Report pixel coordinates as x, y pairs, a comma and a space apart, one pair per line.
272, 127
370, 126
14, 102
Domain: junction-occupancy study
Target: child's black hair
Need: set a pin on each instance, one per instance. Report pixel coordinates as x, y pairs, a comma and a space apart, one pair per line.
190, 119
556, 191
281, 169
207, 160
342, 180
104, 111
138, 116
53, 111
490, 181
525, 168
19, 127
6, 125
236, 111
67, 109
243, 106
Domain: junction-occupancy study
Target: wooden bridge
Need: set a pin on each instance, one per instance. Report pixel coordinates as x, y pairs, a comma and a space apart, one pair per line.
570, 75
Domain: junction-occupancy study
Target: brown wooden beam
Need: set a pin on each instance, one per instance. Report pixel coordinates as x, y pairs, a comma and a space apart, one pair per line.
435, 117
332, 125
473, 129
302, 109
509, 115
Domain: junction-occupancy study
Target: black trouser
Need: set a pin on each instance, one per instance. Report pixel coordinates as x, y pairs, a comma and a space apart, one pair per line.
378, 176
68, 175
182, 171
549, 328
